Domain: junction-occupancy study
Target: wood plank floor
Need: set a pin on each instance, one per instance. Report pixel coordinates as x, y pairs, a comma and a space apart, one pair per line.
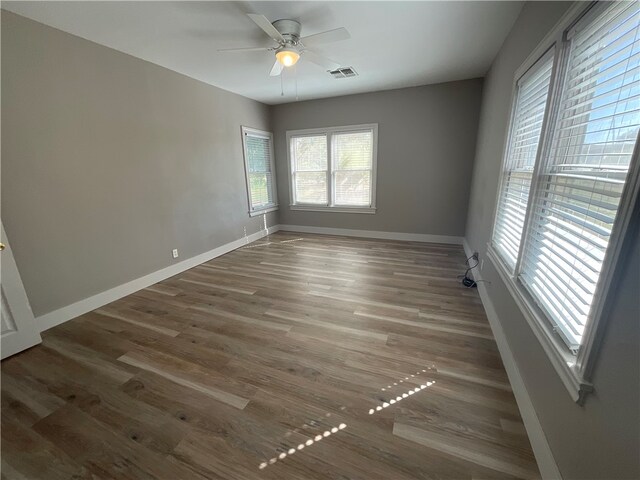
298, 356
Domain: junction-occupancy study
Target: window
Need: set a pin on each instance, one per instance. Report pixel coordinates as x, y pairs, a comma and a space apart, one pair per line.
309, 172
570, 176
259, 170
530, 107
333, 169
581, 182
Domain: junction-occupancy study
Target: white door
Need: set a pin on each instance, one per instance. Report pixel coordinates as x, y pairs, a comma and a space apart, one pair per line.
19, 329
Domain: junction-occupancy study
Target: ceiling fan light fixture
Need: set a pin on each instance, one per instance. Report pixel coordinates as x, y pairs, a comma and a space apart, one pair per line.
288, 56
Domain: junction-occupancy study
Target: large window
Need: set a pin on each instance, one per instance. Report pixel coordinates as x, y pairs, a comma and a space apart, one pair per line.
333, 168
260, 171
570, 174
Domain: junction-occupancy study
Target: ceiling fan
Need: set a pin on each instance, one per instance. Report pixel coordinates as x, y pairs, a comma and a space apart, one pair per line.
290, 46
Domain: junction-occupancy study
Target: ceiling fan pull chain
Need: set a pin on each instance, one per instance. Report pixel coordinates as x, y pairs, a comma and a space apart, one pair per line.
281, 85
295, 76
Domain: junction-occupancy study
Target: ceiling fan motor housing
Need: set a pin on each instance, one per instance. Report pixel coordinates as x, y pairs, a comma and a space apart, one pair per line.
289, 29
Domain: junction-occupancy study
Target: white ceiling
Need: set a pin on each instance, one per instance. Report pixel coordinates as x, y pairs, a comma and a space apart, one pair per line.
394, 44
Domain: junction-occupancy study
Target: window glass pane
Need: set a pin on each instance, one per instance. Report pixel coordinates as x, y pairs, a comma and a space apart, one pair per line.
353, 163
309, 153
309, 166
531, 101
258, 148
258, 153
260, 188
582, 180
353, 187
311, 187
353, 151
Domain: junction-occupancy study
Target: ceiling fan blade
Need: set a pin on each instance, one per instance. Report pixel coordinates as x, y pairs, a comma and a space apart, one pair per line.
264, 23
244, 49
276, 69
326, 37
324, 62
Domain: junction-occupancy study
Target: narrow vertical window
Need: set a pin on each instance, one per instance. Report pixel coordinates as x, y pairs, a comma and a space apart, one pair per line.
522, 150
353, 165
309, 169
260, 170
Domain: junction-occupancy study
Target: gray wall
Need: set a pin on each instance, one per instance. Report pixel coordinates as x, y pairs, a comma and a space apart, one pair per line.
600, 439
109, 162
426, 144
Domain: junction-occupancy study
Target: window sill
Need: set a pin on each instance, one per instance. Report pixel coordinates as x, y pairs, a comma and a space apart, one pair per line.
262, 211
322, 208
563, 361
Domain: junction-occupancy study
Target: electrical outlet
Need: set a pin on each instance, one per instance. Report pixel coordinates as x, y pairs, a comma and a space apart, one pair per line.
475, 256
174, 252
245, 231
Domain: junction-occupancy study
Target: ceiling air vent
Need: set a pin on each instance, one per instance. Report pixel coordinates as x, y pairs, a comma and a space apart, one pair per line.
343, 72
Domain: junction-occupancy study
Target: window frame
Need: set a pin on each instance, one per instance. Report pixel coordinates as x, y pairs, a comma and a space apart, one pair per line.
329, 132
520, 76
270, 207
575, 370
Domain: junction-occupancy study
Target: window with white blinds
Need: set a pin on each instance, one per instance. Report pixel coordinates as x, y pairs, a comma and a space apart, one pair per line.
310, 162
583, 176
555, 239
333, 168
526, 127
259, 169
353, 165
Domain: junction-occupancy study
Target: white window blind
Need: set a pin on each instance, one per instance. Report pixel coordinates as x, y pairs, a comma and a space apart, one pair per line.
353, 164
584, 172
334, 168
526, 126
259, 167
309, 169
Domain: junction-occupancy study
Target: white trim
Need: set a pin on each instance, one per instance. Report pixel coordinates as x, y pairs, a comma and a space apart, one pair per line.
322, 208
271, 207
557, 352
328, 132
61, 315
81, 307
541, 449
255, 213
347, 232
628, 208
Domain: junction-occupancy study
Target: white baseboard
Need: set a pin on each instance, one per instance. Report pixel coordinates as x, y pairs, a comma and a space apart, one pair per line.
544, 456
81, 307
61, 315
347, 232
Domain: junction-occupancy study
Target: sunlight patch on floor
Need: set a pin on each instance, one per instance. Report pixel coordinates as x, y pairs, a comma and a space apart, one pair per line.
303, 445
